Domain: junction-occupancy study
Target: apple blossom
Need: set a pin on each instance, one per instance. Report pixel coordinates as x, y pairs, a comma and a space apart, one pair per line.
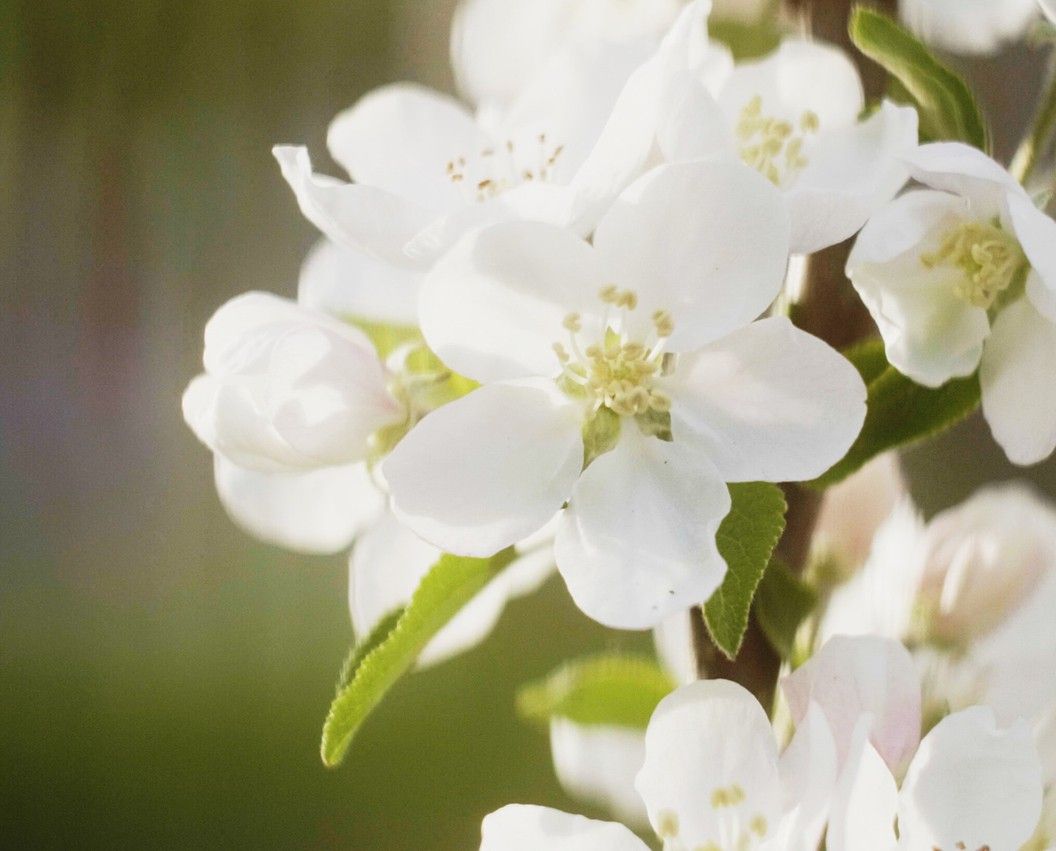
969, 26
640, 349
963, 276
795, 117
712, 777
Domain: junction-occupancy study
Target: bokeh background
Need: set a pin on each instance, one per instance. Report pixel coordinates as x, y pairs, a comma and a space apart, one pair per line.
163, 678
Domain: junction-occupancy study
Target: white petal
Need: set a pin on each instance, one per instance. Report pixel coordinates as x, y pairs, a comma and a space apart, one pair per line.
360, 217
493, 308
673, 639
880, 598
968, 26
1049, 8
711, 769
850, 174
798, 77
865, 802
481, 473
768, 402
706, 241
598, 764
320, 511
1037, 237
525, 828
346, 283
637, 542
1019, 385
854, 676
930, 333
401, 137
808, 770
965, 171
972, 783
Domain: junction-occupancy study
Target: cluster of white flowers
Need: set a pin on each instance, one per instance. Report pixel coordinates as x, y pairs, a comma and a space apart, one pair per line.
550, 317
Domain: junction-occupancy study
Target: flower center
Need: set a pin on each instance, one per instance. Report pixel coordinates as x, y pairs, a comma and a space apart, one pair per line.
617, 372
988, 256
496, 169
771, 145
737, 830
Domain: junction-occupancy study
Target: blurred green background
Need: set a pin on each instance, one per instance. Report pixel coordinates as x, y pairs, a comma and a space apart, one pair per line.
163, 678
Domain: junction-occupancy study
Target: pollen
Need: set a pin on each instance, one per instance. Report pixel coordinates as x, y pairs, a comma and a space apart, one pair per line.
495, 169
618, 371
772, 146
989, 258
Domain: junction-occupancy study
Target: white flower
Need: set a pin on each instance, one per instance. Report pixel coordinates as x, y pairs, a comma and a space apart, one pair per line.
499, 46
287, 389
956, 579
969, 784
645, 342
426, 170
712, 777
794, 116
969, 26
936, 265
1049, 8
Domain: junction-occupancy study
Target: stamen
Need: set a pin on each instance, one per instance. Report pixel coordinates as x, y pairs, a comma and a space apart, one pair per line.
770, 145
989, 257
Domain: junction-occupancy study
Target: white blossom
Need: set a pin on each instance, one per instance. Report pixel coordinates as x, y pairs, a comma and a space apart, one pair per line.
712, 777
645, 341
969, 26
962, 276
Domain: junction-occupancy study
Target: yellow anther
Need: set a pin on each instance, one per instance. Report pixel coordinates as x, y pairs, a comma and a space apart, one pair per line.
609, 294
667, 824
573, 322
770, 145
988, 257
663, 323
809, 122
758, 826
561, 352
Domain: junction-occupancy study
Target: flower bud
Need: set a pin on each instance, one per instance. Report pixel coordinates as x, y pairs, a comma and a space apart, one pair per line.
286, 388
981, 561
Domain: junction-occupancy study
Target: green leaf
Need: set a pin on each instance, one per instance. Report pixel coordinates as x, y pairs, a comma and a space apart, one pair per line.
746, 539
394, 646
948, 109
619, 691
901, 412
782, 603
362, 649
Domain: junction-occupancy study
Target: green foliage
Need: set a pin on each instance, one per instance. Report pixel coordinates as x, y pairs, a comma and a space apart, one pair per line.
393, 647
782, 603
948, 110
900, 411
620, 691
746, 539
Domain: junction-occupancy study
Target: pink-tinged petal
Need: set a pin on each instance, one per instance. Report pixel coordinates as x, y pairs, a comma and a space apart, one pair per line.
865, 802
851, 677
